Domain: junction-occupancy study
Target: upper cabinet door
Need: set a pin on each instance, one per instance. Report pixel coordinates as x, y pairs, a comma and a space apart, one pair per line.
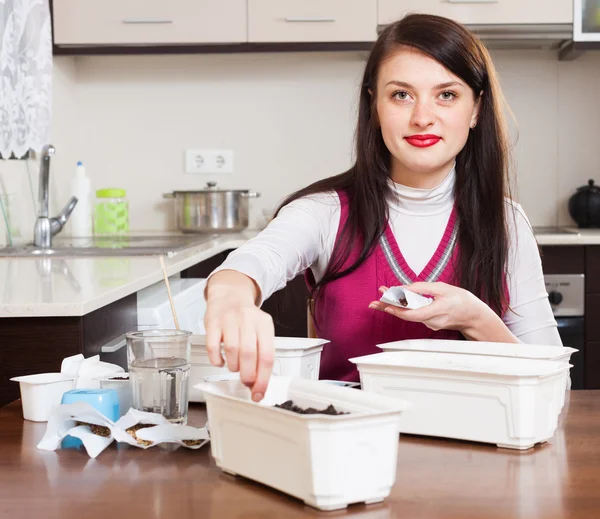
482, 11
148, 22
312, 20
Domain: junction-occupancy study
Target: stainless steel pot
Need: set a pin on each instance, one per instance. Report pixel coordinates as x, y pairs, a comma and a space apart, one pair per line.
212, 209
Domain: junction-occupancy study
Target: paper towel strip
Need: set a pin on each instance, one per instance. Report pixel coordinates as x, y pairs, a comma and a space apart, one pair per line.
62, 423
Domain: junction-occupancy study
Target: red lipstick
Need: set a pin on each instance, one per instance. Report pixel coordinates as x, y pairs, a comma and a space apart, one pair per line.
423, 141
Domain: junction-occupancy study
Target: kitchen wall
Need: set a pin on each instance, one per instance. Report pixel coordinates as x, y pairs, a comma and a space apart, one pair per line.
290, 120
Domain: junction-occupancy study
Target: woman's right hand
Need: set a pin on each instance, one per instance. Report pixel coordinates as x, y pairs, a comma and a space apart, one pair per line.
246, 332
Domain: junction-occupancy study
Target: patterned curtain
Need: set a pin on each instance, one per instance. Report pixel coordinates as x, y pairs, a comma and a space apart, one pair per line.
25, 76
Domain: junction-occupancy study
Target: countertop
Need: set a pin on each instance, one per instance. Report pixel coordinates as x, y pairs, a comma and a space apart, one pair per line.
55, 287
436, 478
41, 287
567, 236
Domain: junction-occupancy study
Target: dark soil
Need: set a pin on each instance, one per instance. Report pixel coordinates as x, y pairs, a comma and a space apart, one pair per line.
290, 406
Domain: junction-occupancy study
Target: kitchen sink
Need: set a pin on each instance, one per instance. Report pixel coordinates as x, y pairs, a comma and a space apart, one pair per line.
139, 245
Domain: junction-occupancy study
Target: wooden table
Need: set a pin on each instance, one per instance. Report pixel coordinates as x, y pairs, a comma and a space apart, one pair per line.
436, 478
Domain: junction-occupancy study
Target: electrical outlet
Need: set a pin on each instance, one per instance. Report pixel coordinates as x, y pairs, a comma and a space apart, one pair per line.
208, 162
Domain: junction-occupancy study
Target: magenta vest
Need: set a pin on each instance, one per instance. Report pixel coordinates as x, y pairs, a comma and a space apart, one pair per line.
342, 313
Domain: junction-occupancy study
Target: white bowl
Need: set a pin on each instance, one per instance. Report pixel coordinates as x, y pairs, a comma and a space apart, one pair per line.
510, 402
42, 393
122, 387
294, 357
327, 461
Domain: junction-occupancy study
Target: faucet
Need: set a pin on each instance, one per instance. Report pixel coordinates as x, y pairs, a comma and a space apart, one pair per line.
46, 227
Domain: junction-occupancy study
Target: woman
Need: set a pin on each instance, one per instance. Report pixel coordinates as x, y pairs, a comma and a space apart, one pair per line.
426, 205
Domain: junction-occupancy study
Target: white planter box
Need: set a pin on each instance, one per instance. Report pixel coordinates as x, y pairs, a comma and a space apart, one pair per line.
495, 349
326, 461
294, 357
511, 402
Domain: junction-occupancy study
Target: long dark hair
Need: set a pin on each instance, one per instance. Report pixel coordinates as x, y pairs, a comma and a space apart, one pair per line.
481, 167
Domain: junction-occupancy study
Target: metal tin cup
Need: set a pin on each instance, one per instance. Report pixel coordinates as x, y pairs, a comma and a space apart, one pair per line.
159, 367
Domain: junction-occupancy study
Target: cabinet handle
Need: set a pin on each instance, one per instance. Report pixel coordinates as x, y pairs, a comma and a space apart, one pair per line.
309, 20
472, 1
114, 345
146, 20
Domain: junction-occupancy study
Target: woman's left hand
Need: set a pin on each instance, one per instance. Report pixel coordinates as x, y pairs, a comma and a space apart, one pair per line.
453, 308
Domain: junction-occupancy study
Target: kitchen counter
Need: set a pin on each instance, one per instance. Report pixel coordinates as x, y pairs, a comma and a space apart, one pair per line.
567, 236
436, 479
58, 287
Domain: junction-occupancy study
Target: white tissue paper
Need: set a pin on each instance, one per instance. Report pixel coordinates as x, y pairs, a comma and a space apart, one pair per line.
63, 422
86, 371
404, 298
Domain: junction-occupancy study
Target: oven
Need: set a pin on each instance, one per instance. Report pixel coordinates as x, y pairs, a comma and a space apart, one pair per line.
566, 293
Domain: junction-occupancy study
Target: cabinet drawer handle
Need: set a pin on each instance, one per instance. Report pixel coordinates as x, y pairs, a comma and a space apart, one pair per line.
472, 1
309, 20
114, 345
146, 21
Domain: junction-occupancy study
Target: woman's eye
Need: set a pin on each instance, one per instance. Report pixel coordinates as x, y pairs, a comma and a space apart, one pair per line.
400, 95
447, 96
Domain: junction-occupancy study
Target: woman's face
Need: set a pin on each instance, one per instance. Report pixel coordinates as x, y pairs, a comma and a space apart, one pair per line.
425, 113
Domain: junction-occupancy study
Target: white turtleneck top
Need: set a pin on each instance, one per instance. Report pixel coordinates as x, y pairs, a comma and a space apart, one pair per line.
303, 236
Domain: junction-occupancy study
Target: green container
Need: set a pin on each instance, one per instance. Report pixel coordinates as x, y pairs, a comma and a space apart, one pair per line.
111, 212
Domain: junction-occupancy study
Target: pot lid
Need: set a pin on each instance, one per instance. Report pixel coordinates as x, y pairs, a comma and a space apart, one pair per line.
211, 187
590, 187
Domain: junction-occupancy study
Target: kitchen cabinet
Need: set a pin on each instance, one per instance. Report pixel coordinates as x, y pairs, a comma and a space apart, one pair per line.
148, 22
592, 269
38, 344
592, 317
592, 364
582, 260
563, 259
312, 20
482, 11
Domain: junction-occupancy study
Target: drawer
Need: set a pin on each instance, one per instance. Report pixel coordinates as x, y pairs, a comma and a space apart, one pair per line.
481, 11
562, 259
148, 22
312, 20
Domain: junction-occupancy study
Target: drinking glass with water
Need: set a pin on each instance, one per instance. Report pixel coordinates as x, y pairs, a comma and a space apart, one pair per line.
159, 367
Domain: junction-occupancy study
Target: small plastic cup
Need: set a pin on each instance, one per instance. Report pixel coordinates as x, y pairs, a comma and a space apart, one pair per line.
122, 385
41, 394
105, 401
